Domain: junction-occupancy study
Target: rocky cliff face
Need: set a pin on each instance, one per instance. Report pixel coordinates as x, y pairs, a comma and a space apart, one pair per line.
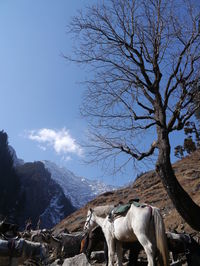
16, 160
51, 192
43, 197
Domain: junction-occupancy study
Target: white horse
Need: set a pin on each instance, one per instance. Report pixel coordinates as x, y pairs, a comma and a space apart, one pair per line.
144, 224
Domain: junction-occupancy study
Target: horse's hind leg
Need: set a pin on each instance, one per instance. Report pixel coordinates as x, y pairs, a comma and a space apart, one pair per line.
149, 249
150, 254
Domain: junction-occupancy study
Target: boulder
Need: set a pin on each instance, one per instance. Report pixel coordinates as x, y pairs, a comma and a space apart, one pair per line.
97, 256
79, 260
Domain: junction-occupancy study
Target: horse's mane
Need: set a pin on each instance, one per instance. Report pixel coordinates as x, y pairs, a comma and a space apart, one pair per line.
103, 211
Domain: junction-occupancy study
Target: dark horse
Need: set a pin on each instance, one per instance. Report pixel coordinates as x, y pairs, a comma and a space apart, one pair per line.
184, 244
95, 239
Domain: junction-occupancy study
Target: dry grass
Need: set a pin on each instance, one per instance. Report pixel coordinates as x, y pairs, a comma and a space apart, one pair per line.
150, 190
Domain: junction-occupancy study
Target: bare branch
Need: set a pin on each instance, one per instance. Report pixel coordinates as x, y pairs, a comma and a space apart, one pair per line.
138, 156
143, 63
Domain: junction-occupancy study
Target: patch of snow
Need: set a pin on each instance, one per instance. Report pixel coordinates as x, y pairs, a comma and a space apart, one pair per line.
79, 190
54, 212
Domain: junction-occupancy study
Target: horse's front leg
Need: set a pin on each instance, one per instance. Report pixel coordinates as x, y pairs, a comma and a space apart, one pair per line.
119, 252
111, 250
105, 247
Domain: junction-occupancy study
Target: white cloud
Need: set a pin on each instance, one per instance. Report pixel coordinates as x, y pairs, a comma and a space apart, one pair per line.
66, 158
61, 141
42, 147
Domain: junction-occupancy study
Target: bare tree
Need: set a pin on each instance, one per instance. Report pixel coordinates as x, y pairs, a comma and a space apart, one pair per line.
145, 68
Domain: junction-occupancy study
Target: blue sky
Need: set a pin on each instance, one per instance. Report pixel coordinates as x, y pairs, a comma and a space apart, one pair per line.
40, 93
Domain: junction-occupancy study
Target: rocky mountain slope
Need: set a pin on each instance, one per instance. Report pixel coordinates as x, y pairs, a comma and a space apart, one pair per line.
150, 190
42, 196
79, 190
51, 192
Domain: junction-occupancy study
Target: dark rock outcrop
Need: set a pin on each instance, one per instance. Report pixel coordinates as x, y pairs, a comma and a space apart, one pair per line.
43, 197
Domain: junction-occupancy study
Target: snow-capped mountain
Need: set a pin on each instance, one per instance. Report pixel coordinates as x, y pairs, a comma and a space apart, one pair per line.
78, 189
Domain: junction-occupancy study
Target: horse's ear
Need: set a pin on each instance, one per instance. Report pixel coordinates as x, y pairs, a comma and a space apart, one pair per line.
91, 210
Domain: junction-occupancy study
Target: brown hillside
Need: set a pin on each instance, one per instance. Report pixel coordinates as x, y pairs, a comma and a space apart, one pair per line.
150, 190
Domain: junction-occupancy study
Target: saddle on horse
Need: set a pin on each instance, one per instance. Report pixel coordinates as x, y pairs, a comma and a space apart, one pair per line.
122, 209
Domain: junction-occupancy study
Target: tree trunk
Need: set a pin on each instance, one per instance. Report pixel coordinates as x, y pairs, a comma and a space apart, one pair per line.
183, 203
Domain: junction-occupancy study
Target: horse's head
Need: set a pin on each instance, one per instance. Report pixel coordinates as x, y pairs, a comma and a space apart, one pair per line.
89, 223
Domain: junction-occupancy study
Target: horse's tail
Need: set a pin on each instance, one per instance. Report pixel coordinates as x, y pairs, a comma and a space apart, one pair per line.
161, 239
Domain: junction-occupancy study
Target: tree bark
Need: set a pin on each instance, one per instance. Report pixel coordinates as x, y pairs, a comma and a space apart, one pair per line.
183, 203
